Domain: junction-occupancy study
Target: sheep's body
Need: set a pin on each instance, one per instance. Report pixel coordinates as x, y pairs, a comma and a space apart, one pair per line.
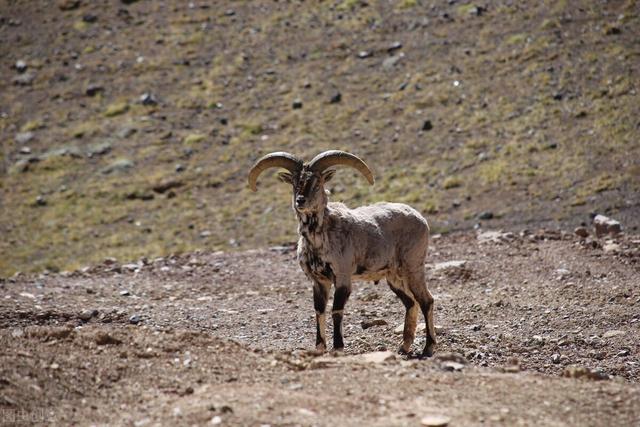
366, 243
385, 240
338, 244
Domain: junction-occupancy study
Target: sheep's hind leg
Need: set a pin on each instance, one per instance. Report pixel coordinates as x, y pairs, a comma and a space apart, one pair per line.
418, 286
340, 297
410, 318
320, 297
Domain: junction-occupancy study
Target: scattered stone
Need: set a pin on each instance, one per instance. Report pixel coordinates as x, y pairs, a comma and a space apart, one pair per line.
20, 66
623, 352
375, 357
451, 366
86, 315
297, 104
562, 274
336, 97
166, 185
93, 89
131, 267
65, 150
477, 10
230, 12
495, 237
366, 324
134, 319
613, 333
448, 265
24, 137
394, 46
90, 18
427, 125
116, 109
148, 99
125, 293
555, 358
216, 420
364, 54
581, 232
194, 138
435, 421
126, 131
25, 150
68, 4
25, 79
392, 61
611, 247
574, 371
41, 201
612, 29
99, 149
103, 338
180, 168
120, 165
486, 215
451, 357
605, 225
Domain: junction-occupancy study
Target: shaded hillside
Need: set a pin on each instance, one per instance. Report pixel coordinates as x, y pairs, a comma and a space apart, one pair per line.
132, 127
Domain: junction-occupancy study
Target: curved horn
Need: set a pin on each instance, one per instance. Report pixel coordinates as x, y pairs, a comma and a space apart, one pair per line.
279, 159
338, 157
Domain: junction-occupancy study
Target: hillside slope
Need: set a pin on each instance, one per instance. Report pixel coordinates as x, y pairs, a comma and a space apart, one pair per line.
528, 112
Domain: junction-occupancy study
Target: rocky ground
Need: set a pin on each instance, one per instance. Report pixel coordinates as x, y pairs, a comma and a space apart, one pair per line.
127, 128
535, 328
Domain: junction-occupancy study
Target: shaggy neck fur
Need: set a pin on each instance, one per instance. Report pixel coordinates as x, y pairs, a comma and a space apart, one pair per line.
310, 225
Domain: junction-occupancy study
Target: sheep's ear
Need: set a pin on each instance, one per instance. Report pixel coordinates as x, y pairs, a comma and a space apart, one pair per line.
286, 177
328, 175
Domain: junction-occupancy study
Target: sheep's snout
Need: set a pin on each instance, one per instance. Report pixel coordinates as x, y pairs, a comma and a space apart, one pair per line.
300, 201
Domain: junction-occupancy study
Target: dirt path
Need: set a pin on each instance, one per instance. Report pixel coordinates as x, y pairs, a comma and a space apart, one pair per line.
210, 338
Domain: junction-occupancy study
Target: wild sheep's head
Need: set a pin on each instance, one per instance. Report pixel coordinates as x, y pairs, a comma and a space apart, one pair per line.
308, 179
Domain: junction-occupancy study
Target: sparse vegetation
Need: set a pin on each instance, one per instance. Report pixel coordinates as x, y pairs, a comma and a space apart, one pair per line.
116, 109
533, 115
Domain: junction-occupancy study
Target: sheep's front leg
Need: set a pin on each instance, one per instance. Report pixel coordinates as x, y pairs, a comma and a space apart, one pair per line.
320, 297
340, 297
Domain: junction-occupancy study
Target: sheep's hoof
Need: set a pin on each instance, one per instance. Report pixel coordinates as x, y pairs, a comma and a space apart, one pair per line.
404, 352
321, 348
427, 352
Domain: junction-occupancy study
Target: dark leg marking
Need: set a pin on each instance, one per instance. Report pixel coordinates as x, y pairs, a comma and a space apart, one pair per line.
406, 299
426, 305
340, 298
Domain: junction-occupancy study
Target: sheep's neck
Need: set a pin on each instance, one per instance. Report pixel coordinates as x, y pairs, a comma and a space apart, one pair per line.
310, 225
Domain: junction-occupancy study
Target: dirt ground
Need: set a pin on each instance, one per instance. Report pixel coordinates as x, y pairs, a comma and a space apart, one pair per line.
535, 328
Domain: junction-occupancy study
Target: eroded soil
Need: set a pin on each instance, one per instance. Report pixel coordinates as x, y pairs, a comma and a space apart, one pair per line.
224, 338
